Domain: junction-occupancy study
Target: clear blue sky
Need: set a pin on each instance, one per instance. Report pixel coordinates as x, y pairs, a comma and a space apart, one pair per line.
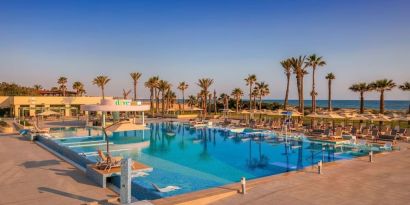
187, 40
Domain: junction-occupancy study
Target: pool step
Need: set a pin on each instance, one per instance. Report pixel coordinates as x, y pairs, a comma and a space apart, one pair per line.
90, 145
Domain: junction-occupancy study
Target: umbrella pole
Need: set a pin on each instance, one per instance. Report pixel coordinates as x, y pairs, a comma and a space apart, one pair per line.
107, 140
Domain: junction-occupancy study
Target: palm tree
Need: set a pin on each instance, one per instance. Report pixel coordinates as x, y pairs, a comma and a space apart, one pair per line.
314, 62
151, 84
135, 77
406, 87
215, 111
361, 88
237, 93
82, 91
329, 77
250, 80
224, 98
382, 86
255, 94
191, 101
182, 87
37, 87
204, 84
287, 68
62, 81
263, 90
101, 81
163, 87
299, 68
209, 101
170, 98
78, 86
125, 93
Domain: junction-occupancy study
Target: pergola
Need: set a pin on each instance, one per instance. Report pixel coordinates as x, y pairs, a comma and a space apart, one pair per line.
110, 105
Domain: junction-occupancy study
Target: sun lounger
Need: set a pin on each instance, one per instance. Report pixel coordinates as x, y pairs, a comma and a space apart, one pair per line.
364, 133
107, 162
38, 130
362, 142
140, 174
405, 136
165, 189
338, 134
387, 146
374, 135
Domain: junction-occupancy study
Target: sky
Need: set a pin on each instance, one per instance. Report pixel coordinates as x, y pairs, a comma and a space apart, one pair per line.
361, 41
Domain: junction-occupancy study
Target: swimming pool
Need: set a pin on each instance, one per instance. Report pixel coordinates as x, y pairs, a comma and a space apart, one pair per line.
196, 159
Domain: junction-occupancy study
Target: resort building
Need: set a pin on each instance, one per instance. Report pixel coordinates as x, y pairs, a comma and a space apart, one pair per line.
30, 106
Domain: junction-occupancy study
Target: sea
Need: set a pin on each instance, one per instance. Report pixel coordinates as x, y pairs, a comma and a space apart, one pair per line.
368, 104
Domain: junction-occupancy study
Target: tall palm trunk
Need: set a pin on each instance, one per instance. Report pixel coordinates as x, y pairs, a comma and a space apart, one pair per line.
163, 102
157, 99
313, 91
260, 102
209, 104
302, 101
183, 101
250, 96
254, 101
237, 105
102, 93
135, 90
151, 99
205, 102
299, 96
361, 102
382, 102
287, 91
214, 102
329, 100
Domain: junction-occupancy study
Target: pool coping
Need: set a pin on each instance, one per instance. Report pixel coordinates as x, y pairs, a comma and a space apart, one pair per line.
206, 195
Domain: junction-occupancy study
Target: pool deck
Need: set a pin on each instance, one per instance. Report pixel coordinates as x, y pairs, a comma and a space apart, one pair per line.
31, 175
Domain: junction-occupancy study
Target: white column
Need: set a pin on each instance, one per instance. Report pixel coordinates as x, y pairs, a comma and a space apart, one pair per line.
103, 120
125, 189
143, 118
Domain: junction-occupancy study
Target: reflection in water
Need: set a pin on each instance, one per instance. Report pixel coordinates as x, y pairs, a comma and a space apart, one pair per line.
287, 156
204, 155
260, 162
300, 155
162, 135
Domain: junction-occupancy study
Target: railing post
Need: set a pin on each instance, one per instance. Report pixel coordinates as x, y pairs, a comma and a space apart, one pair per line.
243, 185
320, 167
371, 156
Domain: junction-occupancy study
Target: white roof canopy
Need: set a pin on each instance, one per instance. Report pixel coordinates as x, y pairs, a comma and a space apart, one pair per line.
109, 105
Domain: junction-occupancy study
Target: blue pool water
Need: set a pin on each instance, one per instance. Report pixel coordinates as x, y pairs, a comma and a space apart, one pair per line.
196, 159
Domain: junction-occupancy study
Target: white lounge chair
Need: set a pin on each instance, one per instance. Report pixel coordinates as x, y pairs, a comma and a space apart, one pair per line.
387, 146
362, 142
165, 189
140, 174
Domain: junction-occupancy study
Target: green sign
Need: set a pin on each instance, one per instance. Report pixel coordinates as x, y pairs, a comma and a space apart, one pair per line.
123, 102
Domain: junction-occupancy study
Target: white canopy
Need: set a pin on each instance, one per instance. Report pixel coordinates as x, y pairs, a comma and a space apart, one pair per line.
109, 105
48, 113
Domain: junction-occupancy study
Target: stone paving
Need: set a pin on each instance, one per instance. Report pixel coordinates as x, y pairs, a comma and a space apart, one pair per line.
31, 175
385, 181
